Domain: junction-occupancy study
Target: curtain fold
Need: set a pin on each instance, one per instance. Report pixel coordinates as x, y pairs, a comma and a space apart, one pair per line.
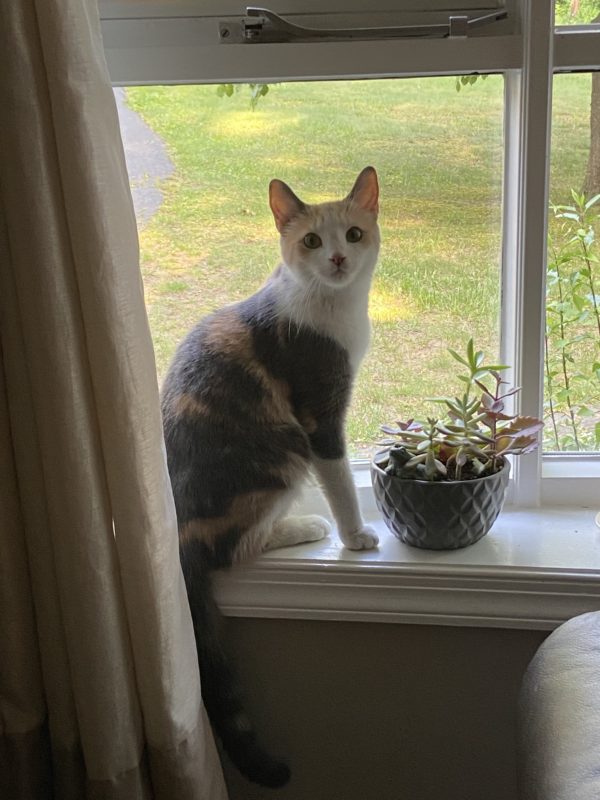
99, 686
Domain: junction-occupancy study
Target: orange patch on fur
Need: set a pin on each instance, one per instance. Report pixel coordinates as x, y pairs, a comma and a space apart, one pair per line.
228, 334
245, 511
308, 422
187, 404
231, 336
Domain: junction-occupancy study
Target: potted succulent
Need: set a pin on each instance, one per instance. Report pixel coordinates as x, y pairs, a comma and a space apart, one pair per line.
441, 483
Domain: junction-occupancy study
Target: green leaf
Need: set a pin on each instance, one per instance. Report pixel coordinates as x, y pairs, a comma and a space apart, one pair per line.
416, 460
584, 411
459, 358
470, 353
441, 468
416, 436
449, 430
454, 407
568, 215
577, 197
480, 373
592, 201
563, 208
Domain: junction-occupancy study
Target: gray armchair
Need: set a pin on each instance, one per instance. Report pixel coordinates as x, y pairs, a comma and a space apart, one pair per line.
559, 715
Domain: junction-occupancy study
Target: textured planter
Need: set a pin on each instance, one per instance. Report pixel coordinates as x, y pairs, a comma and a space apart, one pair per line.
439, 515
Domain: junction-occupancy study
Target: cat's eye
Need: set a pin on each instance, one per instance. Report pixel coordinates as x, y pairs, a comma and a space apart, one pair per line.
312, 241
353, 235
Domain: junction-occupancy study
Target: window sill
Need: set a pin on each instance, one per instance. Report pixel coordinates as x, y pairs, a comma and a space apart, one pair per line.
534, 570
570, 478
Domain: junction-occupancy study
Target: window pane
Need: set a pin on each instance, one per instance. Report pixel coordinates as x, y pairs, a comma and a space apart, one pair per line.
576, 12
572, 363
207, 235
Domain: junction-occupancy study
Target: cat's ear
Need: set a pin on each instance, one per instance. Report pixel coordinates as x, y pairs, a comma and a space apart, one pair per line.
284, 203
365, 192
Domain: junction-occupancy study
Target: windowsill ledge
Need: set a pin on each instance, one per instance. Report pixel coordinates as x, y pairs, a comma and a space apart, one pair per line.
535, 569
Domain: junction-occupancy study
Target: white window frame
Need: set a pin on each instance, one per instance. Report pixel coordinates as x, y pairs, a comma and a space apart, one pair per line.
149, 41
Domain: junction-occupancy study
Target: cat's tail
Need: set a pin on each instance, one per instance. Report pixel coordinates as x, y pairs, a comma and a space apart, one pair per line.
220, 692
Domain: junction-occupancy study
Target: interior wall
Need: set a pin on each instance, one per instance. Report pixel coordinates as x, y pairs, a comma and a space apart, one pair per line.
365, 711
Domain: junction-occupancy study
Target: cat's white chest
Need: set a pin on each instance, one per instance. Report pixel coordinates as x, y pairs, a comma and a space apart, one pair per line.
340, 315
346, 323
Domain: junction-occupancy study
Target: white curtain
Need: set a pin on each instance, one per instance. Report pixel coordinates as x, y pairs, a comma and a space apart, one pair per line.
99, 686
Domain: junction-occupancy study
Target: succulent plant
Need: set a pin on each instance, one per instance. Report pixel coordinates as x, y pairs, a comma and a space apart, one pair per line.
473, 437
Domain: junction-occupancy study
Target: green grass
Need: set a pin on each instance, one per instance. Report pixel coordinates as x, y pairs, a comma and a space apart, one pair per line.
439, 158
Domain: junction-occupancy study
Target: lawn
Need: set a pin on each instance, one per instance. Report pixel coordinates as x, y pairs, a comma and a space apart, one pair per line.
439, 158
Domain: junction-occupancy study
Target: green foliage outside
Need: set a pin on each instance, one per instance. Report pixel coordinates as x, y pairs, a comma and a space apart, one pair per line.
439, 159
257, 90
572, 340
576, 12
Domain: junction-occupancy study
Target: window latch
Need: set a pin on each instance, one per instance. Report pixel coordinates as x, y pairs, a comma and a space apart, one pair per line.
260, 25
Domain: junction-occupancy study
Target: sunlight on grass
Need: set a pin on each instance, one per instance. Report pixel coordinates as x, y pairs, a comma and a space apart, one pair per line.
245, 124
387, 306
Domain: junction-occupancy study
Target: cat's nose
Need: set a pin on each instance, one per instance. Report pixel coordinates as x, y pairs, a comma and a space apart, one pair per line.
337, 259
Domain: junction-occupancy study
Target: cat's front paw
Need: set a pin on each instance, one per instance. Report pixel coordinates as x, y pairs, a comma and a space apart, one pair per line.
364, 538
315, 527
296, 530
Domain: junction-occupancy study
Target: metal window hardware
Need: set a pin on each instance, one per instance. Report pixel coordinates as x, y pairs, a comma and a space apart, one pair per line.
261, 26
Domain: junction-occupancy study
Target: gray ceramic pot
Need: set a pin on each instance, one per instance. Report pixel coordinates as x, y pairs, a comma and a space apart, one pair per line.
439, 515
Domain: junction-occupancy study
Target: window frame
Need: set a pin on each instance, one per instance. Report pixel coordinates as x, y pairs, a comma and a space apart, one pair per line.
148, 41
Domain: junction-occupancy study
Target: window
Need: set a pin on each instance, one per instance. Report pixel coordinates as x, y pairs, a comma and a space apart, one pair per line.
178, 44
439, 158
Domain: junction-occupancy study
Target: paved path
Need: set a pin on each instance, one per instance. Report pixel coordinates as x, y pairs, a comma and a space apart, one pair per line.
147, 160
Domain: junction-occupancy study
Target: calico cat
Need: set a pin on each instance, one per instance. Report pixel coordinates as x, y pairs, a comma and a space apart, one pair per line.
256, 396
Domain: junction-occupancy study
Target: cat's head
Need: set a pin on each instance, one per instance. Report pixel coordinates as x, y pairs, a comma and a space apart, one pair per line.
329, 243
